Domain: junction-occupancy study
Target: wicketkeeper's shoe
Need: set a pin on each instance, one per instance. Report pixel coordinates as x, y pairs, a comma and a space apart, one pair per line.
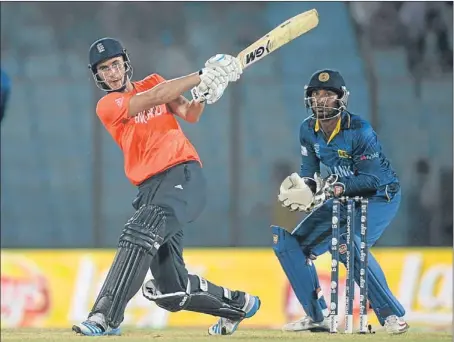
396, 325
95, 326
227, 326
307, 323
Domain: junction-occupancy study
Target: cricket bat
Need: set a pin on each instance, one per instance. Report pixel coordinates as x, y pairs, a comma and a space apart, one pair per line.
279, 36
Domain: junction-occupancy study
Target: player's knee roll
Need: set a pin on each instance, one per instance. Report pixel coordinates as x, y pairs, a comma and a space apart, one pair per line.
145, 229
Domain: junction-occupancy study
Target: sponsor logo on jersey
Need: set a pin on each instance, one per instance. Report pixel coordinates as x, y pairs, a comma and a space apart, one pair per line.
369, 156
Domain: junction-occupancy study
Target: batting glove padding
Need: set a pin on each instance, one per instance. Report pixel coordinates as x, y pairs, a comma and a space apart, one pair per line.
214, 80
231, 65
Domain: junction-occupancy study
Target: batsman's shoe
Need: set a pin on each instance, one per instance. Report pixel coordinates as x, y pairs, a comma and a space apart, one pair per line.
92, 328
307, 323
396, 325
227, 326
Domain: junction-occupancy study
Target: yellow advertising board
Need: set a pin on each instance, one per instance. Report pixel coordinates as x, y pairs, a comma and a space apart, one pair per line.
55, 288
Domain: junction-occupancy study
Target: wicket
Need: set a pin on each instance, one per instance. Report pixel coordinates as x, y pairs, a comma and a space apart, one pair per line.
350, 264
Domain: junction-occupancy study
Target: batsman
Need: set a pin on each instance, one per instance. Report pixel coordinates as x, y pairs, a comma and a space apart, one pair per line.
348, 147
161, 161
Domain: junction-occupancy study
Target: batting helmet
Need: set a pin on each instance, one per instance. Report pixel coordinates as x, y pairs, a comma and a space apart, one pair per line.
102, 50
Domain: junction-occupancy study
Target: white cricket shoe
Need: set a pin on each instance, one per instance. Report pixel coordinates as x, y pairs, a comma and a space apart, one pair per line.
225, 326
396, 325
307, 323
95, 326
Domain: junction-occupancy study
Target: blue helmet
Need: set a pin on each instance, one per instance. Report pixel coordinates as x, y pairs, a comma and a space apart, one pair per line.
102, 50
329, 80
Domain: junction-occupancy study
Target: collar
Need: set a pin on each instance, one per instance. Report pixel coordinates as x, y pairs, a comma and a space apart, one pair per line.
342, 123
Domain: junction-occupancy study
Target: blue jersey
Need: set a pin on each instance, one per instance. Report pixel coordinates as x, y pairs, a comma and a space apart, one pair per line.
353, 152
5, 85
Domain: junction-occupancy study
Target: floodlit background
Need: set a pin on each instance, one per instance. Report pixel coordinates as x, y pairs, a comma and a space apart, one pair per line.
62, 180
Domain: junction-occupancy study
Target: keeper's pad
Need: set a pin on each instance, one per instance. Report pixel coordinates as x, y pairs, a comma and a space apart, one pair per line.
380, 296
300, 272
139, 242
196, 298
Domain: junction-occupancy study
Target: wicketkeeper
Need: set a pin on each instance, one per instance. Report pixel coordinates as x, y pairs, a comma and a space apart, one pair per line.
350, 150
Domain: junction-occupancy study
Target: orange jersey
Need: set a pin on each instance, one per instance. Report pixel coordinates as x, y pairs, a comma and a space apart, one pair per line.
152, 141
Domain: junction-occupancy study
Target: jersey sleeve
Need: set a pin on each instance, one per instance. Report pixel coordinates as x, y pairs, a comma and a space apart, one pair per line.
158, 78
113, 108
366, 164
154, 79
310, 164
